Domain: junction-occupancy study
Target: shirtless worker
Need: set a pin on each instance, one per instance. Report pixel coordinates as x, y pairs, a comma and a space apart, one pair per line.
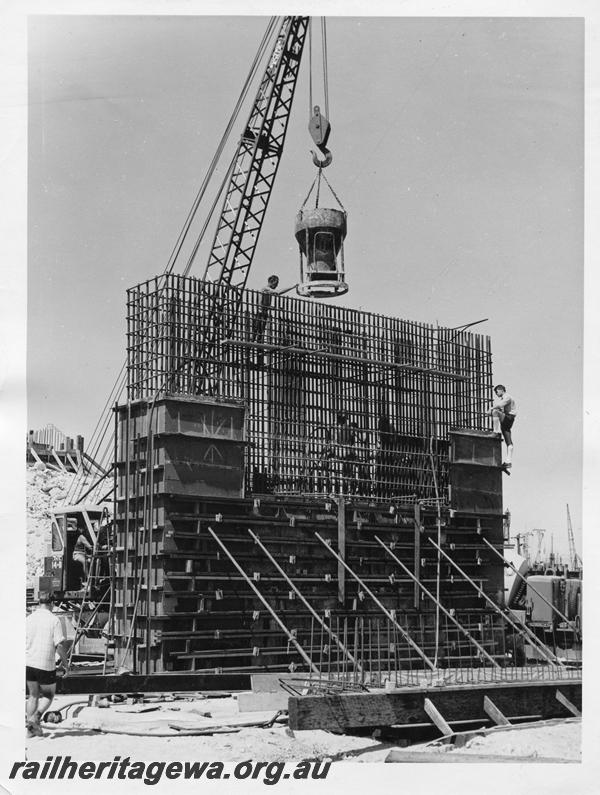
504, 411
81, 554
44, 640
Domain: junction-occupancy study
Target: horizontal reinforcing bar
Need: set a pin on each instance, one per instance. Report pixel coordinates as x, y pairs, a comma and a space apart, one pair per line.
342, 358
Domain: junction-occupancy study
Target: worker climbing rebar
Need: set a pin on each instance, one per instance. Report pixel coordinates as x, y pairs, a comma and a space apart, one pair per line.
504, 412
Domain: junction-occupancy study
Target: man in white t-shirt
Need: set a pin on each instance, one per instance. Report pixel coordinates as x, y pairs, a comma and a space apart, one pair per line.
44, 640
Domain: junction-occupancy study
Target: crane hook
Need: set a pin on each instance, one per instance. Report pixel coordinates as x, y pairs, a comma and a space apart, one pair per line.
319, 128
322, 163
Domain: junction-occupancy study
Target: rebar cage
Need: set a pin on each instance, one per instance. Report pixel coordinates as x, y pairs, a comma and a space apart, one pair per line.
338, 400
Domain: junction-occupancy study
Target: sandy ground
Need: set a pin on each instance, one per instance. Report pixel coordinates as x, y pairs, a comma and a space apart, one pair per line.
102, 733
78, 736
562, 740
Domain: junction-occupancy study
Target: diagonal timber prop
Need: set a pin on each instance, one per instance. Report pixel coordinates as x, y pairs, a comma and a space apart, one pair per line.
405, 634
447, 613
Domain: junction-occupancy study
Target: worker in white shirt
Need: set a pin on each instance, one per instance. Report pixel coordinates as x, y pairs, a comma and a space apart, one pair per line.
45, 639
504, 412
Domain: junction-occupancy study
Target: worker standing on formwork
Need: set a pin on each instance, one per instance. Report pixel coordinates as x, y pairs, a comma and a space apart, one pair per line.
266, 298
264, 310
504, 412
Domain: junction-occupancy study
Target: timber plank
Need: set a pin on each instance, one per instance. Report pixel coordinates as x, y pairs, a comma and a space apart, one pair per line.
152, 683
436, 716
372, 710
397, 755
492, 710
562, 699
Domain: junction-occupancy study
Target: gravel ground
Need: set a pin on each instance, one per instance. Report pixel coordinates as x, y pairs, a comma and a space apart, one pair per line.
79, 737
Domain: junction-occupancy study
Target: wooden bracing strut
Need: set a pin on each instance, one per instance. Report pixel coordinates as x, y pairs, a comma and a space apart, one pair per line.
280, 623
405, 634
522, 630
306, 604
447, 613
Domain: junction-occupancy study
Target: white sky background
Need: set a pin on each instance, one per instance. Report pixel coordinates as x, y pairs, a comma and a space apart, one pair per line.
458, 154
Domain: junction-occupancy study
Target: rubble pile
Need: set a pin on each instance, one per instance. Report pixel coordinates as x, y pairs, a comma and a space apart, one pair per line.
46, 489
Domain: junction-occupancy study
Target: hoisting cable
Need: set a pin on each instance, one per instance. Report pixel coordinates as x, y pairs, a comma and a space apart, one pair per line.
95, 443
79, 483
318, 125
120, 380
317, 181
310, 191
334, 193
325, 65
81, 474
225, 137
208, 218
310, 69
318, 187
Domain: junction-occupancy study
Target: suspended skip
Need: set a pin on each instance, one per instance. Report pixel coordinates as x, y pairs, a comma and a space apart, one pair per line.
320, 233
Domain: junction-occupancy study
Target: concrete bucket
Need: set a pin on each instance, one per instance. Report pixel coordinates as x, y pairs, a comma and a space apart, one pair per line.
320, 233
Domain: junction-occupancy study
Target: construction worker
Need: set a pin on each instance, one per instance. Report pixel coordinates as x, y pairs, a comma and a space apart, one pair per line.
266, 299
81, 553
341, 449
262, 317
358, 460
44, 640
385, 457
504, 411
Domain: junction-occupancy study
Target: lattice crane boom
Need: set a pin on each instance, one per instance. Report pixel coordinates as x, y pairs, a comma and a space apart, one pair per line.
257, 160
247, 195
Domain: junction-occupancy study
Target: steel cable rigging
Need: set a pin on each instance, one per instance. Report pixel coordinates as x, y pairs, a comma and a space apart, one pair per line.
79, 483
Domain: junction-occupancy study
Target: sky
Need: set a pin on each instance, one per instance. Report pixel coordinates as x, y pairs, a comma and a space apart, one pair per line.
458, 155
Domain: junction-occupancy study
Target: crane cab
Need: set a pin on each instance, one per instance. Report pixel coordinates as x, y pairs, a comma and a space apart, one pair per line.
62, 574
320, 233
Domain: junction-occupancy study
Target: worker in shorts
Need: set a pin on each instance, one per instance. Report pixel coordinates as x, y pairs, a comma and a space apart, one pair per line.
504, 411
45, 639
